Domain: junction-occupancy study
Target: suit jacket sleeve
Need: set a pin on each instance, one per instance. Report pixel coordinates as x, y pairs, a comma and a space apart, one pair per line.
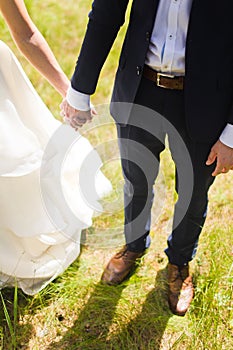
105, 20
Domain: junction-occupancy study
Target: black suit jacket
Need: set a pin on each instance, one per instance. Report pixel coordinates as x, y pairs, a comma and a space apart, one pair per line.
209, 59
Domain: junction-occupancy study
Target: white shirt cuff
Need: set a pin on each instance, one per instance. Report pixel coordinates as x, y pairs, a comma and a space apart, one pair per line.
227, 136
78, 100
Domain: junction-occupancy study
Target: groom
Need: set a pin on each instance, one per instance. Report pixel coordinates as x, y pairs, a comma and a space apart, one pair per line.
177, 61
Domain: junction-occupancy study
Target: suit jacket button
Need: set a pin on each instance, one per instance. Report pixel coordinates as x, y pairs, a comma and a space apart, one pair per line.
139, 70
147, 36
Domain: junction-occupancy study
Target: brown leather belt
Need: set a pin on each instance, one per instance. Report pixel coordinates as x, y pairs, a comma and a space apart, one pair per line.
164, 80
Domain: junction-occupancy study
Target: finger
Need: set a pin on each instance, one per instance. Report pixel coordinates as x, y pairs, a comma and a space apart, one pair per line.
94, 112
70, 112
89, 117
226, 169
88, 113
218, 170
211, 158
63, 112
85, 115
83, 118
61, 104
62, 108
66, 120
76, 122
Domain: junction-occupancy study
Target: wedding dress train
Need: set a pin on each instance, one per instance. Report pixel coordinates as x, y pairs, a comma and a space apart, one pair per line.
33, 248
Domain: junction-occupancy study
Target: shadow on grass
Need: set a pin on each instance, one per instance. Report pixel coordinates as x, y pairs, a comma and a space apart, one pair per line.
92, 329
145, 332
92, 324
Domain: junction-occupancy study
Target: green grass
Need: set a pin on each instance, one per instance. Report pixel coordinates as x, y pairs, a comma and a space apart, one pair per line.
11, 325
75, 311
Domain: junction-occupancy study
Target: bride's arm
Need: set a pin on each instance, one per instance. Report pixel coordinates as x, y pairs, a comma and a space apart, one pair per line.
32, 44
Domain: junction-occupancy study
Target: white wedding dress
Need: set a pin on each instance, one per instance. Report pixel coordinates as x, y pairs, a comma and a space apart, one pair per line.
39, 238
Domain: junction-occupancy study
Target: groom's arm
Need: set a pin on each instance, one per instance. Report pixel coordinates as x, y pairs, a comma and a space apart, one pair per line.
105, 20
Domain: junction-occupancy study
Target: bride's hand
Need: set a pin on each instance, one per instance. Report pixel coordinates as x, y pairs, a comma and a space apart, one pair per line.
74, 117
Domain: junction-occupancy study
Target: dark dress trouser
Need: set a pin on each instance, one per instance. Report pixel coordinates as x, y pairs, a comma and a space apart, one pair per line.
141, 165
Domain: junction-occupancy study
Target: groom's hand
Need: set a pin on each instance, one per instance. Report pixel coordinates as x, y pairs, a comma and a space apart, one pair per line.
223, 155
74, 117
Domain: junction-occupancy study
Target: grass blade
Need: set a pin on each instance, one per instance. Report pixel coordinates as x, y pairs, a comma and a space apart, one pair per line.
9, 323
15, 308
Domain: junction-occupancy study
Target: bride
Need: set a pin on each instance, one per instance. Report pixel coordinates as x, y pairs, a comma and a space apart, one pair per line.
35, 248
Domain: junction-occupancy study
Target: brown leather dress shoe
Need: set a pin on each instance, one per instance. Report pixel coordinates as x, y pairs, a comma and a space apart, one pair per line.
119, 266
181, 289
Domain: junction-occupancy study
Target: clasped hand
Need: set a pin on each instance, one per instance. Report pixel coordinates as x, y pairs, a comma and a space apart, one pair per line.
74, 117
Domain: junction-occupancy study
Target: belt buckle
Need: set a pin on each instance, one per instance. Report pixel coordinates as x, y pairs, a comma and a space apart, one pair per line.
161, 75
